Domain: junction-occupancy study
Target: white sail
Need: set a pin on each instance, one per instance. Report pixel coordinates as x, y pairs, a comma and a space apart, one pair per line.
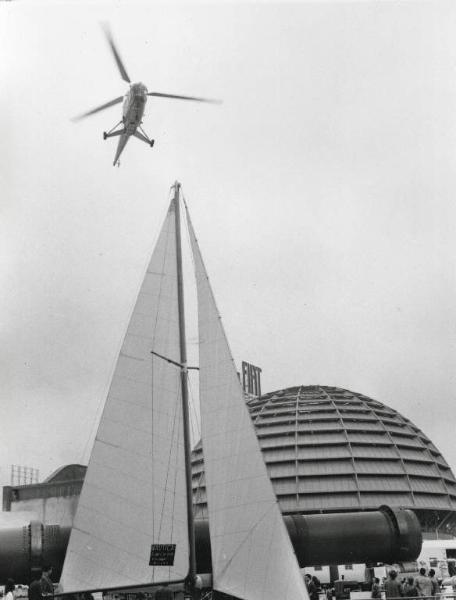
252, 555
134, 490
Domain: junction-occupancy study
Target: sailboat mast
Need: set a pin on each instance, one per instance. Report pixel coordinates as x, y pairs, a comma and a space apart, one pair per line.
184, 387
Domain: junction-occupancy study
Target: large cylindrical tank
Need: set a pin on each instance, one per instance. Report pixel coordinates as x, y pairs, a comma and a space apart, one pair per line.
386, 535
29, 546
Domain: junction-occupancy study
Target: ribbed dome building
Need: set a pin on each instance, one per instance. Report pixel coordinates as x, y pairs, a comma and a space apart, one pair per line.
331, 450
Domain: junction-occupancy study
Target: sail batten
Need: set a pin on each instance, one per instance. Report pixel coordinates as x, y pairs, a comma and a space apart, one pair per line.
252, 556
134, 494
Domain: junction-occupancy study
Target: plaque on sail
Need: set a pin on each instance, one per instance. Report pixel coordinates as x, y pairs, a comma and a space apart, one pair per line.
162, 555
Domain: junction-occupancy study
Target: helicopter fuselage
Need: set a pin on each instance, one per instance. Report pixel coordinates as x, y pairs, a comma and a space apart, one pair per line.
133, 107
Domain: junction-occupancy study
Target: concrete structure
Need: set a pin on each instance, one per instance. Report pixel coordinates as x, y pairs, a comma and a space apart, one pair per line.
53, 502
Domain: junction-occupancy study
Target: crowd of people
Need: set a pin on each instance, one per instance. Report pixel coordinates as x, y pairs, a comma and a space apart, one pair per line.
40, 588
423, 585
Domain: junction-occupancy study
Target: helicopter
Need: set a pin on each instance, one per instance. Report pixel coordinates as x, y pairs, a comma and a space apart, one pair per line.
134, 102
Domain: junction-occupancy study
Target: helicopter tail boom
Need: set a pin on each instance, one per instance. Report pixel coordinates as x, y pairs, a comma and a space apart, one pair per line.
120, 146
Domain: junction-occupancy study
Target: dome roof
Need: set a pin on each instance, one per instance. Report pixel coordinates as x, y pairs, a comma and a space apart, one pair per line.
328, 450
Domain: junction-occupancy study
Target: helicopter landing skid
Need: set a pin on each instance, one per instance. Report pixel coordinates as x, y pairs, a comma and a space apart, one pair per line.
142, 135
112, 133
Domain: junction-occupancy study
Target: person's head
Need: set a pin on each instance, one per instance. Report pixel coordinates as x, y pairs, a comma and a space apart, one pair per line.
393, 574
431, 573
422, 571
9, 587
47, 569
410, 580
36, 574
376, 580
315, 580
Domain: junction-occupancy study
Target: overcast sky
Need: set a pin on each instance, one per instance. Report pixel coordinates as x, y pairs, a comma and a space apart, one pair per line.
322, 192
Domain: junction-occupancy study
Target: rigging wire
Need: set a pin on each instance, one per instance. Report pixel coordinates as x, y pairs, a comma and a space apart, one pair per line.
194, 407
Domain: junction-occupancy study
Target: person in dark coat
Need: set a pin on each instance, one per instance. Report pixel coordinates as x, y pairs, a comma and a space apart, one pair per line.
434, 583
376, 591
47, 587
410, 590
392, 586
34, 592
311, 588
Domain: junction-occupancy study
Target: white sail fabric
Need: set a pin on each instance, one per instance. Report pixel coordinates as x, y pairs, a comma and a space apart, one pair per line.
252, 555
134, 489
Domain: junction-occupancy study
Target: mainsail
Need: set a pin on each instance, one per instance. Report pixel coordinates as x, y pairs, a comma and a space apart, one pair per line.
134, 492
252, 556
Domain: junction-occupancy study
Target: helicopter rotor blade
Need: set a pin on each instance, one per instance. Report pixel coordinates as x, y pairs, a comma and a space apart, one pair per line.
209, 100
98, 108
120, 65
